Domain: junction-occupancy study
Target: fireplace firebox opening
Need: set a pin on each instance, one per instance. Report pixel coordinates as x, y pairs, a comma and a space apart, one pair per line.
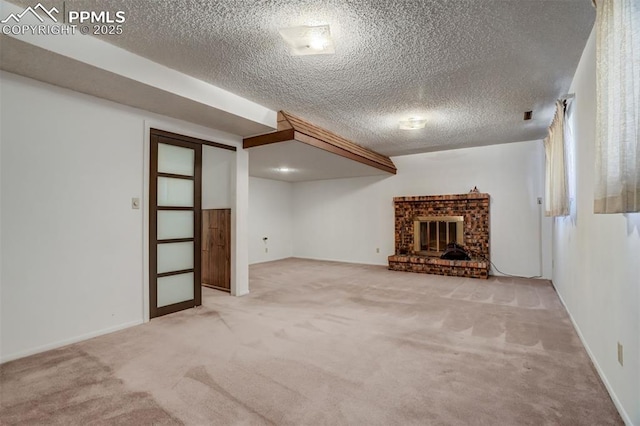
432, 234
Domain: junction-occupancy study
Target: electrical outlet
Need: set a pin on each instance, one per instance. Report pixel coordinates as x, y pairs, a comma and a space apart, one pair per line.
378, 250
266, 249
620, 355
539, 200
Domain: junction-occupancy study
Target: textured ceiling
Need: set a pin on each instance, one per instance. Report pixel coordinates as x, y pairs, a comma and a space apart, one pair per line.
471, 67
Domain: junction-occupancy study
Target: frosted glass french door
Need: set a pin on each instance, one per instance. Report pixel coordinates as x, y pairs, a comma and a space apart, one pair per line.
175, 198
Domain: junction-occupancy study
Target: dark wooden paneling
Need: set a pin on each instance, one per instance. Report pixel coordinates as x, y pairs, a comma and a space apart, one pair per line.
216, 248
177, 137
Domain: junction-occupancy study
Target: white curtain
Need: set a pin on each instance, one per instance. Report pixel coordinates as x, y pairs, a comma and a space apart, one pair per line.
618, 106
556, 196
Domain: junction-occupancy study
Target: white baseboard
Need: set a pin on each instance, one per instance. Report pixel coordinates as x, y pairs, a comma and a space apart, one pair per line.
623, 413
355, 262
269, 260
65, 342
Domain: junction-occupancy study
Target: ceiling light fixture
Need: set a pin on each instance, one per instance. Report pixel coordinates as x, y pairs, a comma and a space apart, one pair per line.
307, 40
284, 169
413, 123
318, 43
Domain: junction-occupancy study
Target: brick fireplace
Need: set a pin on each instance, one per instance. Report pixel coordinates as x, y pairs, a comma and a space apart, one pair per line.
423, 223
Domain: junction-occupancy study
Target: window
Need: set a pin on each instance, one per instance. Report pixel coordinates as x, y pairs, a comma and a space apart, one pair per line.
556, 195
618, 107
570, 156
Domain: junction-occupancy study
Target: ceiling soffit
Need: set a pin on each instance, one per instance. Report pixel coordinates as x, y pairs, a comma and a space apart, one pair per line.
294, 128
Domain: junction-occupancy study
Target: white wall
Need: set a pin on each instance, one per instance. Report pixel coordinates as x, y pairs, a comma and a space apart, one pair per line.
239, 225
270, 215
218, 167
597, 260
74, 253
348, 219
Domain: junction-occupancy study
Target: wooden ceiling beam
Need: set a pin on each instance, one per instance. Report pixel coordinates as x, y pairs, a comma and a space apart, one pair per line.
268, 138
291, 127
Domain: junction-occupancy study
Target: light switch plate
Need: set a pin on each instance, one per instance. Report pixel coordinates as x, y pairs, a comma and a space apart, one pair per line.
135, 203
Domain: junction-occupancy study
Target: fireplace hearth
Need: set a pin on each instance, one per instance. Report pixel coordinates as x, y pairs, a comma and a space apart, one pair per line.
426, 225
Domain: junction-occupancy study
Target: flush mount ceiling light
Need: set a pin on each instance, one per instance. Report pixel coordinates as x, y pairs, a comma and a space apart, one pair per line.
412, 123
306, 40
284, 170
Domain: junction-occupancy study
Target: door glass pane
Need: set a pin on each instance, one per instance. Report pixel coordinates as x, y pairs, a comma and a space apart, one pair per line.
175, 192
442, 229
175, 257
452, 232
175, 289
175, 159
175, 224
433, 237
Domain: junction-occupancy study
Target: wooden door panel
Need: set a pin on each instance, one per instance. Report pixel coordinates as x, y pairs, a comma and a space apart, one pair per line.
216, 248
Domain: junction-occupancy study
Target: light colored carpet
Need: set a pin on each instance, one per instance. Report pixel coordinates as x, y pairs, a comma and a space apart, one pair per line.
321, 343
